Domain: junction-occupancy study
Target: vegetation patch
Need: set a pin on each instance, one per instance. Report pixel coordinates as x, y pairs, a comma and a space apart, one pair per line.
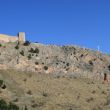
22, 53
29, 56
2, 84
36, 50
109, 67
45, 67
37, 63
10, 106
27, 43
17, 47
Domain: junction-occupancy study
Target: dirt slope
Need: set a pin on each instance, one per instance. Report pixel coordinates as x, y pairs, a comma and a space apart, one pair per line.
54, 92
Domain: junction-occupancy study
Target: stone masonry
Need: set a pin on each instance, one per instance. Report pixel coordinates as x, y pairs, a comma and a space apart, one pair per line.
6, 38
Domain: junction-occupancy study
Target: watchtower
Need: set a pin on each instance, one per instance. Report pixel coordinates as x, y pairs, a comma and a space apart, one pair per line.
21, 36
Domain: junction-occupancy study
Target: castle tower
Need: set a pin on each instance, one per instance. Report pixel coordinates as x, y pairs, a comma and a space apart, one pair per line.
21, 36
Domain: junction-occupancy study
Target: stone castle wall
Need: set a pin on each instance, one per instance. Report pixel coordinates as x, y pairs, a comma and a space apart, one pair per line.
6, 38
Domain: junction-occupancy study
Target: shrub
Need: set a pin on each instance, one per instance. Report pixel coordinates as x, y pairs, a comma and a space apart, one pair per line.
93, 92
81, 55
29, 56
31, 50
91, 63
27, 43
1, 83
56, 63
34, 105
90, 99
67, 64
37, 63
12, 107
5, 106
4, 86
45, 67
36, 50
22, 53
0, 45
109, 67
16, 47
44, 94
29, 92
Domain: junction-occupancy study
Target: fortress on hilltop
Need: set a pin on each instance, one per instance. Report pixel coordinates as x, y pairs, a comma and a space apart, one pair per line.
6, 38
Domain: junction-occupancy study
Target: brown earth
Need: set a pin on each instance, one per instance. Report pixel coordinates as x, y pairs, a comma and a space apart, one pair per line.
54, 92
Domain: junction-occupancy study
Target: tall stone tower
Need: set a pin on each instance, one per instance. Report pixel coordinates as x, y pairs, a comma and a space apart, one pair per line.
21, 36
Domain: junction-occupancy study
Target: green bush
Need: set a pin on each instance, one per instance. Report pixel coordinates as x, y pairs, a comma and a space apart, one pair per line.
22, 53
29, 56
109, 67
4, 86
67, 64
1, 83
12, 106
0, 45
36, 50
31, 50
37, 63
27, 43
16, 47
5, 106
45, 67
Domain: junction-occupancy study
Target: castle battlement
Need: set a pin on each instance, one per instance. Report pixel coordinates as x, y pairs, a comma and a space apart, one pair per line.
6, 38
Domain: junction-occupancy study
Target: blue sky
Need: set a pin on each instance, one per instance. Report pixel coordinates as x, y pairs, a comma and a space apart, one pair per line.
78, 22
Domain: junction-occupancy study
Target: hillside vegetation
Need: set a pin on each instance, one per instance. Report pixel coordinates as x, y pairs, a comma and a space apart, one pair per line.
50, 59
34, 76
53, 92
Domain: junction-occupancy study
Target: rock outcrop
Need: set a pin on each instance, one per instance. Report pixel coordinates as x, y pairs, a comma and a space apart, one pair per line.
50, 59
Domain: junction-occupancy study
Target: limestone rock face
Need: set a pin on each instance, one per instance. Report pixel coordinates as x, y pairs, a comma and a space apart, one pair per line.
49, 59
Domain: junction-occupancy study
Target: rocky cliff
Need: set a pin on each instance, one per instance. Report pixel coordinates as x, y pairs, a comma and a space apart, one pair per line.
50, 59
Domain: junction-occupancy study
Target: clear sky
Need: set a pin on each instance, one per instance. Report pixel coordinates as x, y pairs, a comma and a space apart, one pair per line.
78, 22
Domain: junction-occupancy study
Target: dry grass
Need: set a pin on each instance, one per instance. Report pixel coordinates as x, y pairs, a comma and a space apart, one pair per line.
48, 92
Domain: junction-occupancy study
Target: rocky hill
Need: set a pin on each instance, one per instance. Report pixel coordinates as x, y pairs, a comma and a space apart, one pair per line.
34, 76
52, 59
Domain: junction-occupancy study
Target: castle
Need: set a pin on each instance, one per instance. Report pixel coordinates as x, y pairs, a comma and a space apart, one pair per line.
6, 38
